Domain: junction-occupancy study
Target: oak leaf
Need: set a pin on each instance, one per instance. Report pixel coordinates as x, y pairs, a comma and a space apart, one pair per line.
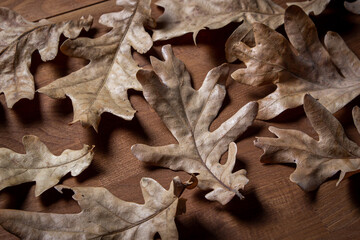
40, 165
302, 66
101, 86
103, 216
353, 7
184, 16
315, 160
19, 38
245, 31
188, 113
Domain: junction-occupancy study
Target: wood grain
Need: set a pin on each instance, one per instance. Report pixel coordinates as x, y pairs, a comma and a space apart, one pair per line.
274, 207
34, 10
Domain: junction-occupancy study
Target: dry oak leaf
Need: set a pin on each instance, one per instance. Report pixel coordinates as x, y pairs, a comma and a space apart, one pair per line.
245, 31
353, 7
188, 113
19, 38
101, 86
303, 66
103, 216
315, 160
184, 16
40, 165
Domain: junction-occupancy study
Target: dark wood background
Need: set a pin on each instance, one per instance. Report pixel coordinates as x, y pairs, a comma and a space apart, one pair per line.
274, 207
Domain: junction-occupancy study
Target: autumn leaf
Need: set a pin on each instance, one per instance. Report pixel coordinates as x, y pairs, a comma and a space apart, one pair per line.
102, 85
40, 165
302, 66
181, 17
245, 31
353, 7
316, 160
103, 215
188, 113
19, 38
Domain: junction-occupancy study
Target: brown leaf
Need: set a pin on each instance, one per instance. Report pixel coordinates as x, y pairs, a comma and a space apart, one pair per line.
353, 7
302, 66
102, 85
40, 165
181, 17
315, 160
245, 31
18, 40
188, 113
103, 216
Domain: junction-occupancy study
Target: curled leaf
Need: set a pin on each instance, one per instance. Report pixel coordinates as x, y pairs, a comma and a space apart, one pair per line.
102, 216
188, 113
298, 67
245, 31
315, 160
353, 7
40, 165
19, 38
101, 86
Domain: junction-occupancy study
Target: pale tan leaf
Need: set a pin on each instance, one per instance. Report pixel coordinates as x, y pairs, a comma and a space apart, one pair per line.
181, 17
245, 32
353, 7
188, 113
103, 216
315, 160
18, 40
184, 16
40, 165
102, 85
302, 66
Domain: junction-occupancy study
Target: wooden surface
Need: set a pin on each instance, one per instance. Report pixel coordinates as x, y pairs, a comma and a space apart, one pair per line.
274, 207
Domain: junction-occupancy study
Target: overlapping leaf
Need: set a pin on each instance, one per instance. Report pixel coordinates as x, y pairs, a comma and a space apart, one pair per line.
40, 165
102, 85
302, 66
181, 17
188, 113
315, 160
245, 31
19, 38
103, 216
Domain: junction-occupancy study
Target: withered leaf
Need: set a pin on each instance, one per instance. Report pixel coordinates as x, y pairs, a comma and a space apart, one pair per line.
245, 31
103, 216
40, 165
302, 66
184, 16
315, 160
19, 38
353, 7
102, 85
188, 113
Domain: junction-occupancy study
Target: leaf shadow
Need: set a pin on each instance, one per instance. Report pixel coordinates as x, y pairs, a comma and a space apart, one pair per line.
249, 209
3, 119
89, 173
29, 111
289, 115
51, 196
193, 229
108, 124
64, 106
354, 186
335, 18
16, 195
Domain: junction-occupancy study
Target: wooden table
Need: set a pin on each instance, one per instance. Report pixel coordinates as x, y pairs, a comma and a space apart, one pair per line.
274, 207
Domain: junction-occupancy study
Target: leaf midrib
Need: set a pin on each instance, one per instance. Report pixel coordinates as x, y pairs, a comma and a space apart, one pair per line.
103, 82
